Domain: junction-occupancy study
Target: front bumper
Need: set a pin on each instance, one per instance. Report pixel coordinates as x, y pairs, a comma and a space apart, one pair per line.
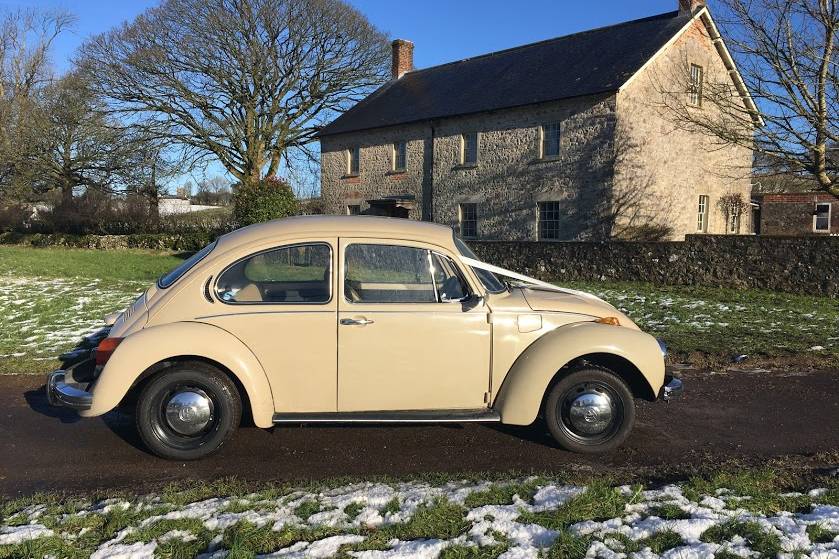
63, 390
673, 386
672, 389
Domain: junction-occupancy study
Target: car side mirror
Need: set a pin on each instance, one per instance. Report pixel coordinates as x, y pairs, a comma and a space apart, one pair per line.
445, 299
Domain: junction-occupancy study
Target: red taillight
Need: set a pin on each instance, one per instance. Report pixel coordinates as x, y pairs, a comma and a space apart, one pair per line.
105, 348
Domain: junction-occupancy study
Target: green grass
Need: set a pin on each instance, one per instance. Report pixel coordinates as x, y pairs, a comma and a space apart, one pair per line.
727, 322
503, 494
758, 539
819, 534
599, 502
435, 519
133, 265
669, 511
52, 296
767, 491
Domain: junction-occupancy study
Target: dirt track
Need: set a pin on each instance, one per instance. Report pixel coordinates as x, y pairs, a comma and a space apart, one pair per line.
734, 416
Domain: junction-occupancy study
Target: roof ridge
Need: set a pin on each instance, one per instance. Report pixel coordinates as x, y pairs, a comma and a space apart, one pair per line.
665, 15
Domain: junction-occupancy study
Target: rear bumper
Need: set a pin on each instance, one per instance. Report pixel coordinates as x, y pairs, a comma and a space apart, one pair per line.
63, 391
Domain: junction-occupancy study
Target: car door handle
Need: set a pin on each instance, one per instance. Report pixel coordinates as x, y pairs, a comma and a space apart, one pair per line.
355, 321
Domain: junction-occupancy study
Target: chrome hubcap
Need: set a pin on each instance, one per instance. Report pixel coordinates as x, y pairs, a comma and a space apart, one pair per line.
590, 412
189, 411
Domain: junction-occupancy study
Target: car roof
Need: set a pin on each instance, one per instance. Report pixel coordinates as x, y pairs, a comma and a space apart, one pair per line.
341, 226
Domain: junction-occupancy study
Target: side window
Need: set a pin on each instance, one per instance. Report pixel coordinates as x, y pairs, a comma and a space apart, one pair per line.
399, 274
293, 274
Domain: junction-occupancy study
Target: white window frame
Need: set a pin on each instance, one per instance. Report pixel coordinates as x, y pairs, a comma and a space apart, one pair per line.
461, 219
355, 152
702, 214
734, 224
539, 228
462, 157
695, 86
542, 154
395, 167
815, 216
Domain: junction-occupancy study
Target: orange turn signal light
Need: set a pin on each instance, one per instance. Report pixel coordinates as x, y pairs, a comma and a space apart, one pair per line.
610, 320
105, 349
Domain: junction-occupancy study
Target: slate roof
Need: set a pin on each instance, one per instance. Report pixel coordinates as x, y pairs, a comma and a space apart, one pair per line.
585, 63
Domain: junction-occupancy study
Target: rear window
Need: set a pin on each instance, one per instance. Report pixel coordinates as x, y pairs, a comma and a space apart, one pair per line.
171, 277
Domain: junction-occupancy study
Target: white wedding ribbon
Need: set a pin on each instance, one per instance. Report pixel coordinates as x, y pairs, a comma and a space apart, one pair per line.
521, 277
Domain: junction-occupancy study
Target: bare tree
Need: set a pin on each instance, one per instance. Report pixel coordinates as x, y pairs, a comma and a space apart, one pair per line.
26, 37
241, 81
785, 54
78, 147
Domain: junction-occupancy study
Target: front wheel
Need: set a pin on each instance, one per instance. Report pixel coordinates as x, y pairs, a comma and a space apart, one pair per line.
188, 411
590, 410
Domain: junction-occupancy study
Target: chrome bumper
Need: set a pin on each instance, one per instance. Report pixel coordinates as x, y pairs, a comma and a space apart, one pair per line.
69, 395
672, 388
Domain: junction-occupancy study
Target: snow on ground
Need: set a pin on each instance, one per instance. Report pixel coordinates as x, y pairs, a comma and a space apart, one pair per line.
41, 317
343, 520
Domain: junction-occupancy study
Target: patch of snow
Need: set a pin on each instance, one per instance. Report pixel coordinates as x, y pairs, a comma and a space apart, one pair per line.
10, 535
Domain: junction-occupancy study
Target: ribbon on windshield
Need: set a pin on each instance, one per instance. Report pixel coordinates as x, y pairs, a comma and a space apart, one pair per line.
521, 277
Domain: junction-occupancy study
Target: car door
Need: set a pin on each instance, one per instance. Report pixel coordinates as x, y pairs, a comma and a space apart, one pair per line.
411, 336
279, 301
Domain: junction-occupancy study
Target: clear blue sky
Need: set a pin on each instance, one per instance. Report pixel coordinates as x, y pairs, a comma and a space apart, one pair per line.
442, 30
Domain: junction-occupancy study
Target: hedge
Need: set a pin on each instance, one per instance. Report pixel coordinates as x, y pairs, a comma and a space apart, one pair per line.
186, 242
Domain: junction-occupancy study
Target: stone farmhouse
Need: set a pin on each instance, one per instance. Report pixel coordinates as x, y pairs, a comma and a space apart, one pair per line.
564, 139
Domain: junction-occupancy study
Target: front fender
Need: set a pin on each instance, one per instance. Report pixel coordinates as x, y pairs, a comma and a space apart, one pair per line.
149, 346
521, 393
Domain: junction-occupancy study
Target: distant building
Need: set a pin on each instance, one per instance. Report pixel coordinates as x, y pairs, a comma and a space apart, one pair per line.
546, 141
171, 205
798, 213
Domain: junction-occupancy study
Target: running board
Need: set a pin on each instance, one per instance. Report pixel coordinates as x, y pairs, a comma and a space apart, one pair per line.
419, 416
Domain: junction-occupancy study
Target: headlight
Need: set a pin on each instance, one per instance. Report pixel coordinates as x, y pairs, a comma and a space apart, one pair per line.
662, 346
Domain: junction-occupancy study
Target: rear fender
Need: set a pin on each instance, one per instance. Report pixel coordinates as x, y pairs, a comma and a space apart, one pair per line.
524, 386
145, 348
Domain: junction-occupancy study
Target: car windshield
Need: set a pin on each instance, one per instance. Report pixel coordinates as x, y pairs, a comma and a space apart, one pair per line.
490, 280
171, 277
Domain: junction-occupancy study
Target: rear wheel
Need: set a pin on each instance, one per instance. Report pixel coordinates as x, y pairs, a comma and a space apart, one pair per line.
590, 410
188, 411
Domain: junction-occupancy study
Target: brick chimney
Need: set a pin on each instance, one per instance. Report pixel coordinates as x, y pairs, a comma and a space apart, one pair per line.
690, 6
403, 58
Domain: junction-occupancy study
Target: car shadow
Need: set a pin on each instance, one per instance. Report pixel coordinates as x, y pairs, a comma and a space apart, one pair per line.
37, 401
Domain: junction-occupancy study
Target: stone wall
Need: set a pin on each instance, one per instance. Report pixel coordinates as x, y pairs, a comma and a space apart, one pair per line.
808, 265
510, 179
376, 177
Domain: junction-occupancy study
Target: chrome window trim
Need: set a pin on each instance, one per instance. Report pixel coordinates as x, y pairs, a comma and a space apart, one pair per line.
262, 303
212, 247
429, 252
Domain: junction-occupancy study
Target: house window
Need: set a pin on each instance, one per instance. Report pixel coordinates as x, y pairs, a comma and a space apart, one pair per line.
821, 218
702, 215
353, 158
549, 220
468, 217
734, 224
400, 156
695, 87
469, 148
550, 140
353, 209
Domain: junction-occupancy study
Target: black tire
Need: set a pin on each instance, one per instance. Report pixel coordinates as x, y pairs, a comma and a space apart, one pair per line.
582, 430
162, 429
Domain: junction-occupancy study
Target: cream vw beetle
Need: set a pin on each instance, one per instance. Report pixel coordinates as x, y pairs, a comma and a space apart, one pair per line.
361, 319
